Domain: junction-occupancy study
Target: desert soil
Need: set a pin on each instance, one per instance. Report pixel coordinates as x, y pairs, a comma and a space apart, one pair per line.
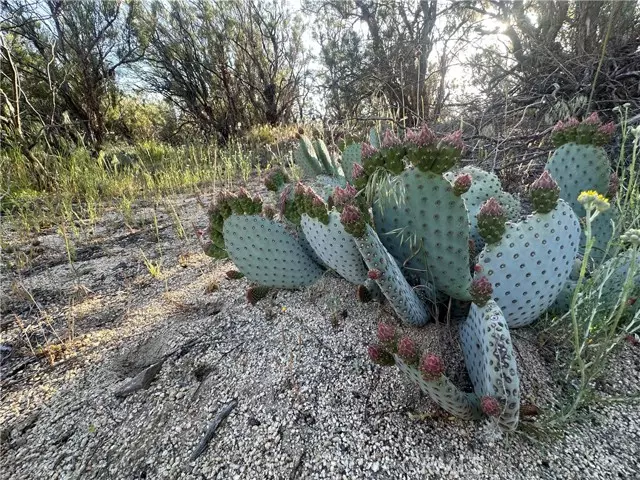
110, 373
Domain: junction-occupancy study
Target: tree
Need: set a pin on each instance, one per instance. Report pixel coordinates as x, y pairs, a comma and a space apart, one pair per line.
391, 40
72, 51
227, 64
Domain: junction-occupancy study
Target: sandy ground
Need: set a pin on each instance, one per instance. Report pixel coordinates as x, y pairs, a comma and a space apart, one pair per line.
308, 403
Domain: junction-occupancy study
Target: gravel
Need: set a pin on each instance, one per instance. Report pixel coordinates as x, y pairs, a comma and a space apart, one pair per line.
309, 403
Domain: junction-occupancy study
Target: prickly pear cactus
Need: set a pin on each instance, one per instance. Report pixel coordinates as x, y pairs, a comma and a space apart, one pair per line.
267, 254
352, 155
490, 361
389, 278
577, 168
484, 185
335, 247
612, 275
305, 156
532, 262
443, 392
428, 229
581, 164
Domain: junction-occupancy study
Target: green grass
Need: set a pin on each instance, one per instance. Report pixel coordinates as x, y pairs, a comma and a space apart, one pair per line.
75, 185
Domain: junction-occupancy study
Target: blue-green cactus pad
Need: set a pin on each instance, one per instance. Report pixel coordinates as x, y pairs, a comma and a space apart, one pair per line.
602, 230
374, 138
335, 247
434, 228
532, 262
351, 155
444, 393
306, 158
491, 363
394, 286
577, 168
484, 185
612, 275
267, 254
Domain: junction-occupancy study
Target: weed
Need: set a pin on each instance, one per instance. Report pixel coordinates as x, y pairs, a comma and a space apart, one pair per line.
154, 268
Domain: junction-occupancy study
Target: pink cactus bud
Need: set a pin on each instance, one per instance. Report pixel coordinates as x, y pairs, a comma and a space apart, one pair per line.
407, 350
558, 127
481, 291
592, 119
462, 184
357, 171
420, 137
490, 406
317, 201
477, 268
380, 356
431, 367
389, 139
631, 301
350, 214
545, 193
368, 150
571, 123
544, 182
491, 208
344, 196
454, 140
386, 333
374, 274
607, 129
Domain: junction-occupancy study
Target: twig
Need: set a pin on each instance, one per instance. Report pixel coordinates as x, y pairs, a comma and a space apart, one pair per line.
224, 413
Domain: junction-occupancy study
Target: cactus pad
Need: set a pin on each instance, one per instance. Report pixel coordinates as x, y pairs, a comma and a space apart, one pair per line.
267, 254
351, 155
577, 168
490, 361
530, 265
434, 228
443, 392
401, 296
484, 185
335, 247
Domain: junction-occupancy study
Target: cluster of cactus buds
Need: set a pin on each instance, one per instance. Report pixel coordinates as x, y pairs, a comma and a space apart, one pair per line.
342, 197
545, 193
408, 351
353, 221
226, 204
309, 202
589, 131
490, 406
481, 291
491, 221
380, 356
255, 294
275, 179
462, 184
431, 367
